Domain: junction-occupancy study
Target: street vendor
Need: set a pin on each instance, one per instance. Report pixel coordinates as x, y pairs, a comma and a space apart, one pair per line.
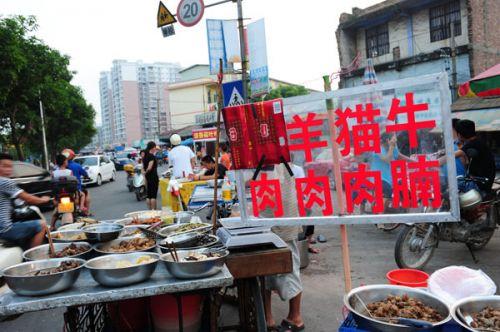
208, 163
181, 158
30, 232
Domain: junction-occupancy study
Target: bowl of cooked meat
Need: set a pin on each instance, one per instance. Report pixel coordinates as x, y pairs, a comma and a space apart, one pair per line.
478, 313
391, 308
43, 277
192, 264
126, 245
70, 250
68, 236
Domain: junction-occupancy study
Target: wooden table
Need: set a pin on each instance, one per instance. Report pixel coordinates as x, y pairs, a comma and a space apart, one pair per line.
246, 268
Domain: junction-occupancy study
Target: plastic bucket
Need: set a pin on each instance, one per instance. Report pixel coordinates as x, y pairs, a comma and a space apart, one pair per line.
166, 317
408, 277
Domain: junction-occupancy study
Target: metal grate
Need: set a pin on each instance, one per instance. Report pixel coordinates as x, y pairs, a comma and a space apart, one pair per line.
440, 18
377, 41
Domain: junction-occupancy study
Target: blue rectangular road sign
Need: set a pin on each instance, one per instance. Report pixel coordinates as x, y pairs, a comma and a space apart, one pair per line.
233, 93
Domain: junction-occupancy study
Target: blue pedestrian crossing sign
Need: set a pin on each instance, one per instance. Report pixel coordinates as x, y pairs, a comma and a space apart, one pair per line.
233, 93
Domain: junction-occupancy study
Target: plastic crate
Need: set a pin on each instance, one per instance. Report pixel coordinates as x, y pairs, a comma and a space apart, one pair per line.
349, 325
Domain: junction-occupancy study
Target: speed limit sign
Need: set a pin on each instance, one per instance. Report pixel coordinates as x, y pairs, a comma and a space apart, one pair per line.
190, 12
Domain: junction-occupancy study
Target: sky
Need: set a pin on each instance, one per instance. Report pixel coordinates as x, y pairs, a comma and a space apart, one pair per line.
301, 44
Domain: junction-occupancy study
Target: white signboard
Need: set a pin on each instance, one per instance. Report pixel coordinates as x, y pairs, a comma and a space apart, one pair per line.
259, 72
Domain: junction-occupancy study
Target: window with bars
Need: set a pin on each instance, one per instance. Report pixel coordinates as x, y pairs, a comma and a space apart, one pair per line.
440, 18
377, 41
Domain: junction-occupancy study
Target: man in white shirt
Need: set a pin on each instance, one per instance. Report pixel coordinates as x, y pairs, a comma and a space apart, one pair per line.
181, 158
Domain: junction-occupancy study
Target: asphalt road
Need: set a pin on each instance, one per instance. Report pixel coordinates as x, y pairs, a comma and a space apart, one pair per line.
371, 252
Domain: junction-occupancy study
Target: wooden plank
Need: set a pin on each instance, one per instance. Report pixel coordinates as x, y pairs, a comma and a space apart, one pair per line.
259, 263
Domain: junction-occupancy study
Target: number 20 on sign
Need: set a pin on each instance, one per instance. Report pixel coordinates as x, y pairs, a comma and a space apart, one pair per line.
190, 12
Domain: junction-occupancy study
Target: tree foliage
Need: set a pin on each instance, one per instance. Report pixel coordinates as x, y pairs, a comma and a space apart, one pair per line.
285, 91
31, 71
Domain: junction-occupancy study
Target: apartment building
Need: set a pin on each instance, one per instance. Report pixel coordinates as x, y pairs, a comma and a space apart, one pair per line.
134, 100
407, 38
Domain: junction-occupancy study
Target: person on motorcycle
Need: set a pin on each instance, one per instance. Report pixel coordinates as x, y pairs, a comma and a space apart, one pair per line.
31, 232
481, 162
78, 172
61, 170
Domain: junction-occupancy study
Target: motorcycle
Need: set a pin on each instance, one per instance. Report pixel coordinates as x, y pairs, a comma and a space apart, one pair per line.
416, 243
139, 183
65, 190
129, 169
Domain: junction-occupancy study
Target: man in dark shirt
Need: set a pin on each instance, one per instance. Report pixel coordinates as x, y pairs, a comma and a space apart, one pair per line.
209, 163
483, 163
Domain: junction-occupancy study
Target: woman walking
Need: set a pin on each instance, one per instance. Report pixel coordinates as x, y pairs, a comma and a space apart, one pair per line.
150, 166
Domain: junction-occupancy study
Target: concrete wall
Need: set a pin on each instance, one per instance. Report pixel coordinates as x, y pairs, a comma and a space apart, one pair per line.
484, 32
132, 112
400, 32
185, 103
424, 68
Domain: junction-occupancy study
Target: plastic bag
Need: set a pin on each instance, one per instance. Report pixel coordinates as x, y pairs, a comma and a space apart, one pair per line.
453, 283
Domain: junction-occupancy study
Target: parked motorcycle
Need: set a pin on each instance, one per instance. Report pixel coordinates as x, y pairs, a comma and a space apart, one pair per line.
416, 243
139, 183
129, 169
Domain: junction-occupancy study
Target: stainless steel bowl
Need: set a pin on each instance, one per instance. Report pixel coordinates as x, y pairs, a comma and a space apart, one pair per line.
21, 284
193, 270
104, 248
472, 305
102, 232
132, 231
104, 271
42, 252
67, 236
470, 199
191, 245
174, 229
374, 293
183, 217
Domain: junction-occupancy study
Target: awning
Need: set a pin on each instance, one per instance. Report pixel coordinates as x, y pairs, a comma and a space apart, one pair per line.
485, 119
486, 84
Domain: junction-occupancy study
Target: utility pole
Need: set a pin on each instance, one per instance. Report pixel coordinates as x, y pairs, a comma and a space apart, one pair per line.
243, 51
453, 63
45, 152
158, 115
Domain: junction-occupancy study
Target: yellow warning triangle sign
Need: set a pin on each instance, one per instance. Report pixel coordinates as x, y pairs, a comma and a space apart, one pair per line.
164, 16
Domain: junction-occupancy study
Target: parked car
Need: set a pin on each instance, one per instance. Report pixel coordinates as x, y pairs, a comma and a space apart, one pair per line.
32, 179
121, 159
99, 168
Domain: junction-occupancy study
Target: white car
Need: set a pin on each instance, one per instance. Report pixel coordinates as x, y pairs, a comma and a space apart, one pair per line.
99, 169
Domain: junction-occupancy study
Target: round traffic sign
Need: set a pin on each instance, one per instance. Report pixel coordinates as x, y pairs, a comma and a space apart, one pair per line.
190, 12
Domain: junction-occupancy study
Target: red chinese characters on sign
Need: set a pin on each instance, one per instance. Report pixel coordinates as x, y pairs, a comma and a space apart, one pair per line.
314, 190
411, 126
266, 194
307, 137
365, 133
359, 189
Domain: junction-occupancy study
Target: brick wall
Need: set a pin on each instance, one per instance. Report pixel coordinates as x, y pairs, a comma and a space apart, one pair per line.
484, 34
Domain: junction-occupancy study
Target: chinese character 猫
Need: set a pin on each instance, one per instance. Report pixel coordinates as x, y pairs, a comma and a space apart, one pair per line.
365, 133
305, 135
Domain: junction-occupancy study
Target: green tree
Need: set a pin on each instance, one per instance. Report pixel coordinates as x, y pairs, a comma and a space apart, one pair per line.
285, 91
29, 71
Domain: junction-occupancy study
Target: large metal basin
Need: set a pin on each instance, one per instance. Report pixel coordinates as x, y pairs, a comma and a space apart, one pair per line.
102, 232
374, 293
104, 271
19, 283
42, 252
68, 236
472, 305
193, 270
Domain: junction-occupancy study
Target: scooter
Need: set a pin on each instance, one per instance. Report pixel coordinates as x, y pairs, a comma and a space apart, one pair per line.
129, 168
139, 183
65, 190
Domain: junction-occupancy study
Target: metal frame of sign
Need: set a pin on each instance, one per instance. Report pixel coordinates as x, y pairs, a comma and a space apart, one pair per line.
179, 16
441, 80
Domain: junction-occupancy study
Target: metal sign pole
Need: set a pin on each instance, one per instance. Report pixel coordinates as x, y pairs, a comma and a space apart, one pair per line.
44, 138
